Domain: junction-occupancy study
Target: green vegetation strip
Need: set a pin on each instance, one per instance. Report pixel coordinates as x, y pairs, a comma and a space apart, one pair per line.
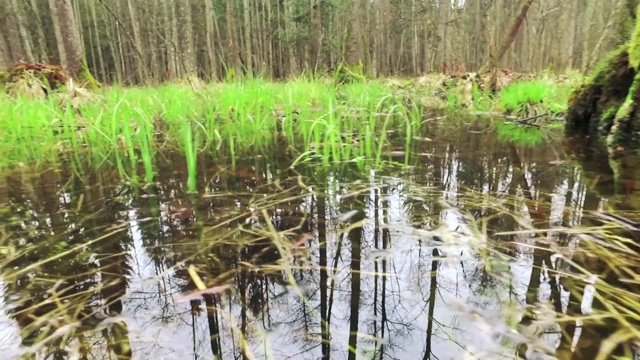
127, 127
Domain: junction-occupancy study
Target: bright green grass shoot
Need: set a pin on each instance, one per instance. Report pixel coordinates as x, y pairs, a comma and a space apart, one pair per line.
520, 96
301, 118
127, 127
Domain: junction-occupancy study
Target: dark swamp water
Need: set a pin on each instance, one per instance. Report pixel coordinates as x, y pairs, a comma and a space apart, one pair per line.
479, 250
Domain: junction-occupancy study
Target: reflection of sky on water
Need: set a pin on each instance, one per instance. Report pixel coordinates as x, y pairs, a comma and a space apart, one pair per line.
472, 307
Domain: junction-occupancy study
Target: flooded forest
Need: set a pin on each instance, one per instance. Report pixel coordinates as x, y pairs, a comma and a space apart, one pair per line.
319, 179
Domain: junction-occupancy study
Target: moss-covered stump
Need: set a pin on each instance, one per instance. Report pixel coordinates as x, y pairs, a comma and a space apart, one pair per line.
86, 78
593, 105
349, 73
607, 104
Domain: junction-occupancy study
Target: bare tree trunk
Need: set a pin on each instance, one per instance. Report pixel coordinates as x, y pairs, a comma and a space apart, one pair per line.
210, 39
62, 53
22, 29
354, 50
172, 38
11, 31
259, 50
291, 63
315, 31
153, 46
149, 40
70, 36
247, 37
5, 59
185, 38
270, 43
442, 35
135, 25
41, 39
120, 51
512, 34
234, 51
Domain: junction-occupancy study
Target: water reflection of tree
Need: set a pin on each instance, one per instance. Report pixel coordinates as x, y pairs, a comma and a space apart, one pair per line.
225, 249
72, 264
428, 352
235, 247
601, 256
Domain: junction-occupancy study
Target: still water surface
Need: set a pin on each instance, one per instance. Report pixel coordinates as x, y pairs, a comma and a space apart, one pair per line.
438, 260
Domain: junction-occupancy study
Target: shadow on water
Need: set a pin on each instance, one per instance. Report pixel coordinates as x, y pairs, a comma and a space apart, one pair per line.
471, 252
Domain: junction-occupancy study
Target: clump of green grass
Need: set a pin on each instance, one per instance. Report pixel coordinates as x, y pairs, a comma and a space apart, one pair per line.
534, 97
305, 118
121, 127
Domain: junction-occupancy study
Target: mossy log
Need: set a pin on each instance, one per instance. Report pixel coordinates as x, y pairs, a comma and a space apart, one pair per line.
607, 104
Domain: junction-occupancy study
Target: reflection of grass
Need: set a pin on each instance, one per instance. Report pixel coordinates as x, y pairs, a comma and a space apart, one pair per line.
523, 135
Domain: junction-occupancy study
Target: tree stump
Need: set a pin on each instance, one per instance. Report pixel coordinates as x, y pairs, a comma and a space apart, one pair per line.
607, 104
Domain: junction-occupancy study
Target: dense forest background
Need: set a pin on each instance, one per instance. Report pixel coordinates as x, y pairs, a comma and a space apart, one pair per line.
148, 41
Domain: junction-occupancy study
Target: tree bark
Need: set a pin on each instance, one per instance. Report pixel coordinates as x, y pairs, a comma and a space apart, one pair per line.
76, 62
92, 8
11, 31
62, 53
137, 37
5, 60
354, 52
162, 38
512, 34
234, 51
247, 36
171, 39
210, 39
185, 38
25, 38
70, 36
315, 31
41, 38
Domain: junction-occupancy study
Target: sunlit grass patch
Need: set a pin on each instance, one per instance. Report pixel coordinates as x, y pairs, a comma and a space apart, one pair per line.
534, 96
129, 127
228, 120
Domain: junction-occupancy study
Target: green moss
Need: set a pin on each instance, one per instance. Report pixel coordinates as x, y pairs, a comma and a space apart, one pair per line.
596, 74
609, 115
231, 75
86, 78
4, 77
626, 119
604, 91
634, 44
350, 73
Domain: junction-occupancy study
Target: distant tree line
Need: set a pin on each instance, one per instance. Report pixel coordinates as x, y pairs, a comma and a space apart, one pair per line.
148, 41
